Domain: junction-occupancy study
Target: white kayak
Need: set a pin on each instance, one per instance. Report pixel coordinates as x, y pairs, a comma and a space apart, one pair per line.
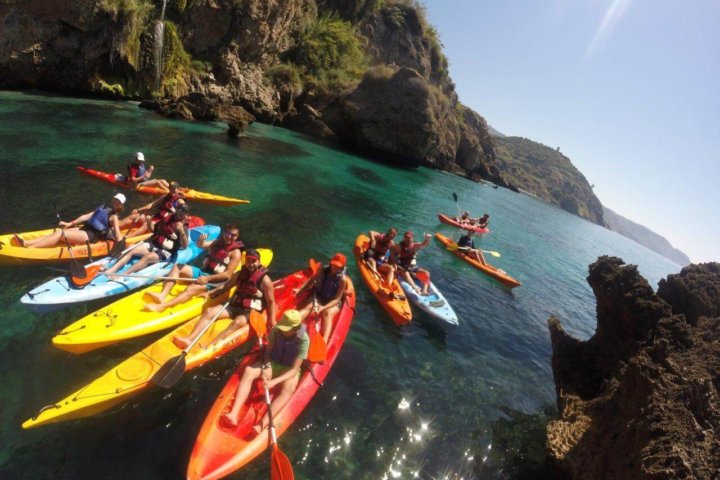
60, 292
434, 304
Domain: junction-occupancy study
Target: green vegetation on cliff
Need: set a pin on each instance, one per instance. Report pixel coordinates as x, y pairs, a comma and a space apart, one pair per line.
131, 18
547, 174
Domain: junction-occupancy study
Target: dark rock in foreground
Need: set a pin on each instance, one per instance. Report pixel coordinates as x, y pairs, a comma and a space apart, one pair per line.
639, 400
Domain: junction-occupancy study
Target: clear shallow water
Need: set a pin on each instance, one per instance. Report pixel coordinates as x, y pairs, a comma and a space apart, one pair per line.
307, 201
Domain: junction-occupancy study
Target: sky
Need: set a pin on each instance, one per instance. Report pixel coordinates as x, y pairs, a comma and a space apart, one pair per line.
628, 89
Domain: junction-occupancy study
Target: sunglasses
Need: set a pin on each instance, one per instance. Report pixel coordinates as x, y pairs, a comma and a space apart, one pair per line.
231, 234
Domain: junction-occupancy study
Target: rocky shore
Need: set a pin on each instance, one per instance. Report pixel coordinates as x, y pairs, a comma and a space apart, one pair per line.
639, 399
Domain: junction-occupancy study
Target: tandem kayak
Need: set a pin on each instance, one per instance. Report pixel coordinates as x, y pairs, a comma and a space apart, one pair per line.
220, 450
434, 304
11, 253
61, 292
396, 304
134, 375
126, 318
493, 272
189, 193
448, 220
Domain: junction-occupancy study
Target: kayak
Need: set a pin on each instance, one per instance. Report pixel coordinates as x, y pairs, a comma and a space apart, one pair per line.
434, 304
126, 318
220, 450
499, 275
397, 306
11, 253
448, 220
61, 292
134, 375
189, 193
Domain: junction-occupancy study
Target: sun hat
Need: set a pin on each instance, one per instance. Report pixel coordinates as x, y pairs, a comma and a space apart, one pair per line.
120, 198
339, 260
140, 157
290, 319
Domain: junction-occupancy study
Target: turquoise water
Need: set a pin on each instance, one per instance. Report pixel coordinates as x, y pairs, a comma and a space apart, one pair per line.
307, 201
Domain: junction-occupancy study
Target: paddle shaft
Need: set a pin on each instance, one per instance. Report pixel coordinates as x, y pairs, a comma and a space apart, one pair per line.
74, 264
176, 279
206, 328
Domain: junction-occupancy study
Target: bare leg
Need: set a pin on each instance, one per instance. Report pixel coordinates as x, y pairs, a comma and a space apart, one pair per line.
190, 292
408, 278
183, 342
147, 259
239, 322
251, 373
327, 318
388, 272
176, 271
426, 285
286, 390
74, 236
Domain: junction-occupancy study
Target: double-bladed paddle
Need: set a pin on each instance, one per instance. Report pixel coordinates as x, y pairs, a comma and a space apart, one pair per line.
280, 466
455, 246
76, 270
317, 352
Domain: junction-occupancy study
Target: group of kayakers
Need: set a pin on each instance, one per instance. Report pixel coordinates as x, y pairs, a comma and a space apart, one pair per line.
391, 259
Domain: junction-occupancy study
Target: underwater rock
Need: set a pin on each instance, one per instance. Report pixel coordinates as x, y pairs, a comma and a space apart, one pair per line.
640, 399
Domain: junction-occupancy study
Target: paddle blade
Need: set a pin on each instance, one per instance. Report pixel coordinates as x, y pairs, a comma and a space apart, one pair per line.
258, 323
455, 197
280, 467
423, 276
117, 248
314, 266
77, 270
90, 272
170, 372
317, 352
493, 253
452, 247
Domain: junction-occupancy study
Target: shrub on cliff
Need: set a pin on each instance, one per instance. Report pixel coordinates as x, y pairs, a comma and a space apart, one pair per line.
131, 18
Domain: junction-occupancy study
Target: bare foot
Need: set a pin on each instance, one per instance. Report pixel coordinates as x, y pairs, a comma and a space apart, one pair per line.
228, 421
180, 342
156, 297
154, 307
19, 240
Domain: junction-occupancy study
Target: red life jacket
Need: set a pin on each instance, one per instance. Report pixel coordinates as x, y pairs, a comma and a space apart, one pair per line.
164, 235
167, 207
248, 293
381, 247
218, 256
406, 257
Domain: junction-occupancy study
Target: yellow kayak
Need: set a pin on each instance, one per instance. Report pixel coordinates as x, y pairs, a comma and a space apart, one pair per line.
133, 375
126, 318
11, 253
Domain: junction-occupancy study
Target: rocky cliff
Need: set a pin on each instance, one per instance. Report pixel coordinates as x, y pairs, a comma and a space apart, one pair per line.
368, 73
640, 399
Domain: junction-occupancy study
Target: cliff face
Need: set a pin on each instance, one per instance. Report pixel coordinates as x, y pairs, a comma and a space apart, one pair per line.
547, 174
640, 398
368, 73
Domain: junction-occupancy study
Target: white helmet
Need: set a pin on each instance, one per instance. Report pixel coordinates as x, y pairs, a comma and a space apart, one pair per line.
140, 157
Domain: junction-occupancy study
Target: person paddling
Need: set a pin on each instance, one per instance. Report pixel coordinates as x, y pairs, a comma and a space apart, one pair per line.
168, 237
403, 256
378, 253
279, 366
162, 208
101, 224
223, 258
467, 246
254, 291
139, 174
328, 290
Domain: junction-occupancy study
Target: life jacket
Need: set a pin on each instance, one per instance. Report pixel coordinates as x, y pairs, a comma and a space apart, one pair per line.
381, 247
166, 209
165, 237
218, 256
466, 241
100, 220
248, 293
327, 288
406, 257
286, 350
135, 170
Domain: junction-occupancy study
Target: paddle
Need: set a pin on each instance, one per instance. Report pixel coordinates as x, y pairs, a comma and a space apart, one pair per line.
423, 276
172, 370
258, 323
317, 352
119, 246
280, 467
93, 271
76, 270
455, 246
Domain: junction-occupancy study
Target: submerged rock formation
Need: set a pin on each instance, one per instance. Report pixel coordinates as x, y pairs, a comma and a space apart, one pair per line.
639, 400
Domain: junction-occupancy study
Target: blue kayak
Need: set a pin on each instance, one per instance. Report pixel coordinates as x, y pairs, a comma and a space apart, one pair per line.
434, 304
60, 292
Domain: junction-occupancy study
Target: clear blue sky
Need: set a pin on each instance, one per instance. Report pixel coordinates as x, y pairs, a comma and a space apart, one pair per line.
628, 89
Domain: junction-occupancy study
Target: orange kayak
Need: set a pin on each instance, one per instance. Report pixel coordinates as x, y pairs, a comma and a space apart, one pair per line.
220, 450
189, 193
398, 306
494, 272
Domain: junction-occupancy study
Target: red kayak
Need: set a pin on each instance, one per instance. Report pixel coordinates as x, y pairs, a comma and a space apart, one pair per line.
189, 193
220, 450
447, 220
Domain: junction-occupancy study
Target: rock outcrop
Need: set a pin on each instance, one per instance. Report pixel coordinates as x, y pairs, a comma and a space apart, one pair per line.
640, 398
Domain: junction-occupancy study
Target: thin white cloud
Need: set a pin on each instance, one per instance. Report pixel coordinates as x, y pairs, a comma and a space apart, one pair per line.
614, 14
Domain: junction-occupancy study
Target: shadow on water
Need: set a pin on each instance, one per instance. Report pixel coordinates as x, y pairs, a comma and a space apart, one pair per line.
261, 145
367, 175
518, 447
